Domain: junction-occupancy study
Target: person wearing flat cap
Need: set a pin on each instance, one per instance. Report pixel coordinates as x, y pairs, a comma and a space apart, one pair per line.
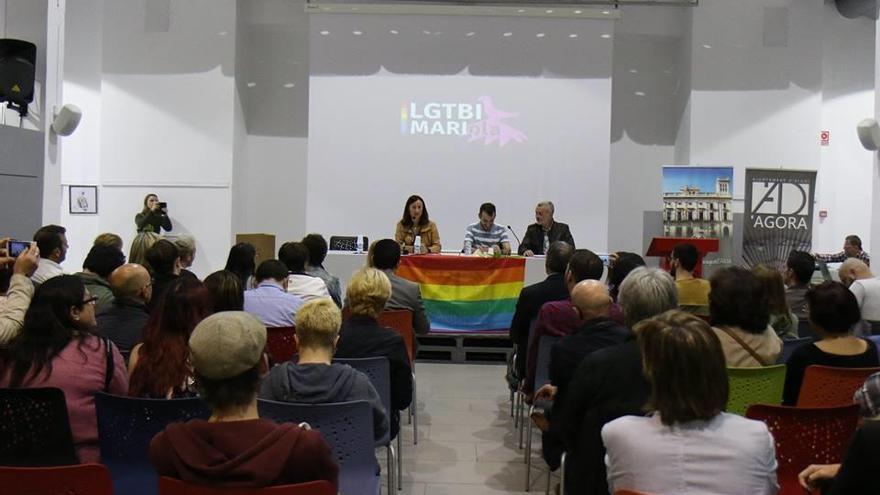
234, 448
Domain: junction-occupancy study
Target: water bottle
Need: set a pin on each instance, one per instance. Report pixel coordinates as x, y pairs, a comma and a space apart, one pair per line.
417, 245
546, 243
359, 244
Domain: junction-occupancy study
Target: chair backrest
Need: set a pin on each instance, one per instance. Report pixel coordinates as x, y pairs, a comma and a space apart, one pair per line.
378, 370
346, 243
35, 429
788, 347
761, 385
827, 386
542, 365
400, 320
80, 479
629, 492
348, 429
280, 344
804, 330
126, 425
806, 436
169, 486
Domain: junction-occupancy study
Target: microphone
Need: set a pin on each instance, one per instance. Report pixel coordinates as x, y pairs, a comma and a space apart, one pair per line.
514, 234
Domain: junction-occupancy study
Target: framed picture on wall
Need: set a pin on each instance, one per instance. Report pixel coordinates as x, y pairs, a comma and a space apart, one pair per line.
83, 200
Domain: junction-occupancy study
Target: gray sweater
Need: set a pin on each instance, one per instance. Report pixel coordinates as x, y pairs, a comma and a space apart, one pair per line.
322, 383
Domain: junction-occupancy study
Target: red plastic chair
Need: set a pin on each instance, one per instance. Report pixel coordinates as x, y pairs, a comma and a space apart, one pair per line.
169, 486
827, 386
280, 344
79, 479
400, 320
630, 492
806, 436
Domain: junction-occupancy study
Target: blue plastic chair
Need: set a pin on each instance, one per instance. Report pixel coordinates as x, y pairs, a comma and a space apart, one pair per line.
520, 396
788, 347
35, 429
378, 370
348, 429
542, 377
126, 425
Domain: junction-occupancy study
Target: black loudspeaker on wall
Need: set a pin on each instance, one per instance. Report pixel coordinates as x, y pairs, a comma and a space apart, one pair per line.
17, 70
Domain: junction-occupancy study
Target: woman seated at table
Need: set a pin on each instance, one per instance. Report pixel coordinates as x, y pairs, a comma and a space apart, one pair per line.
688, 444
832, 310
415, 222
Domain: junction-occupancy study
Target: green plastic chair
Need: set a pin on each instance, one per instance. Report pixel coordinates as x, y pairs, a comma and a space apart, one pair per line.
762, 385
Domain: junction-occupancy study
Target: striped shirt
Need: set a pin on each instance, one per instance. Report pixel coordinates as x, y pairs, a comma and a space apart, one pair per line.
475, 237
841, 257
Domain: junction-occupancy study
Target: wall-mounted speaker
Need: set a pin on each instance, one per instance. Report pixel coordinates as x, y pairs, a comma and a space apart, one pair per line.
857, 8
869, 134
66, 120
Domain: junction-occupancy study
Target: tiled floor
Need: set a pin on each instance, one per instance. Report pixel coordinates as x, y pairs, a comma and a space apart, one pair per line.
466, 443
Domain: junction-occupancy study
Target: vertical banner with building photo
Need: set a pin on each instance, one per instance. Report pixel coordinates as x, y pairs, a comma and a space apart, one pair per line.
779, 214
697, 203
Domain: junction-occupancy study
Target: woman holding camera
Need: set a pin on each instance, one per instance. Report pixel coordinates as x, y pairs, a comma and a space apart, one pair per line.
153, 217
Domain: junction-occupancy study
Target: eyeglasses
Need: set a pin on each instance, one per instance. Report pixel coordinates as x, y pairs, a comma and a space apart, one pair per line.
91, 300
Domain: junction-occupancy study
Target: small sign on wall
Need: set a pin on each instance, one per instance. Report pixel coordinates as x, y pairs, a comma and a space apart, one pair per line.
825, 138
83, 200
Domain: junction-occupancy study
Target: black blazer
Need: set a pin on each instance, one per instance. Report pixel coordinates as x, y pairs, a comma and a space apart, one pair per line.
570, 350
534, 237
362, 337
858, 472
607, 384
530, 300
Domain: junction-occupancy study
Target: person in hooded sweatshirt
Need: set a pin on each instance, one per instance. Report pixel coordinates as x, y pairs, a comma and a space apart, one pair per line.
315, 378
235, 448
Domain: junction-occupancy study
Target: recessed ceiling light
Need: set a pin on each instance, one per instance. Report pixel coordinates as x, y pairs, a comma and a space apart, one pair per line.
222, 33
633, 71
572, 35
325, 33
606, 12
640, 93
289, 85
251, 84
540, 35
425, 31
520, 10
707, 46
578, 11
606, 36
507, 34
549, 11
357, 33
394, 31
470, 34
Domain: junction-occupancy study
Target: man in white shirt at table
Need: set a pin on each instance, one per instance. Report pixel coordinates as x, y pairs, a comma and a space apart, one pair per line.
485, 236
295, 255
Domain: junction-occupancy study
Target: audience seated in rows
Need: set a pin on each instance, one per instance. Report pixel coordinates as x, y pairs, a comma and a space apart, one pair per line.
620, 264
299, 283
160, 365
833, 312
97, 267
242, 262
16, 288
531, 299
186, 249
127, 317
314, 378
227, 293
606, 385
234, 448
58, 347
799, 268
52, 241
361, 336
740, 316
782, 319
857, 474
693, 292
108, 239
385, 256
688, 444
856, 275
269, 301
317, 246
140, 245
559, 318
163, 261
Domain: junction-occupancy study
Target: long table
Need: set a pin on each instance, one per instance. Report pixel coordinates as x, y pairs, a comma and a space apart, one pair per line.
474, 295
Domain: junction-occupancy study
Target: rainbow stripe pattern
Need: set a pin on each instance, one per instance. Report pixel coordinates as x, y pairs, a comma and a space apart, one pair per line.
466, 294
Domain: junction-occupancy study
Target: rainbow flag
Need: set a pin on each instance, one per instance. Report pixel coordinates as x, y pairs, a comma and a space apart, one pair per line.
466, 294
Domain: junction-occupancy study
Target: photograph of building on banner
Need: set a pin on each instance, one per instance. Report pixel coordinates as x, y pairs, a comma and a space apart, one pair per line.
697, 204
779, 214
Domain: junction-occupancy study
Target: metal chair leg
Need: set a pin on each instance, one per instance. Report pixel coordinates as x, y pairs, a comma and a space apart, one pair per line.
562, 475
391, 461
529, 449
415, 411
516, 410
399, 463
522, 421
547, 488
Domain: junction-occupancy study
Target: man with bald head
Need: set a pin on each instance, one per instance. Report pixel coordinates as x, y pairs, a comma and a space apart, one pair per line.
591, 301
124, 322
855, 274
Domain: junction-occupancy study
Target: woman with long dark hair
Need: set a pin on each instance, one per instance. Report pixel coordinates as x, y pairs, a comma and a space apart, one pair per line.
415, 222
159, 366
58, 347
242, 262
227, 293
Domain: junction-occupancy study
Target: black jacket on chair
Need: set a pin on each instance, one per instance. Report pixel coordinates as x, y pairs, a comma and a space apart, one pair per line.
530, 300
363, 337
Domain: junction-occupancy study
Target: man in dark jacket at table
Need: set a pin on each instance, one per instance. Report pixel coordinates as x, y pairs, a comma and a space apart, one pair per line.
544, 231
